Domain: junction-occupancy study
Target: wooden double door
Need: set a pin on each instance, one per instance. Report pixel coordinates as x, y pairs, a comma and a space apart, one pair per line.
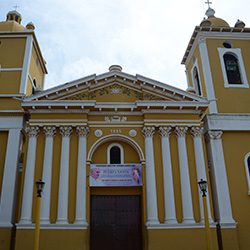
115, 222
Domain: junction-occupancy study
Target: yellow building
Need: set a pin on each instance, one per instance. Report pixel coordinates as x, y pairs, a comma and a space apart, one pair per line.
121, 155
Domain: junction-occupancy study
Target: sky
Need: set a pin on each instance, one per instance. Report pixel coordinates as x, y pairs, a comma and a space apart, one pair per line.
147, 37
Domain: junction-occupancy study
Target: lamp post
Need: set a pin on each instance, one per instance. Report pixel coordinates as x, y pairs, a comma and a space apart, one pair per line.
39, 188
203, 187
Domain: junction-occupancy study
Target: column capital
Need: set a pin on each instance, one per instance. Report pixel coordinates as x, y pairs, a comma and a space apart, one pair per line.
164, 131
202, 40
49, 131
82, 131
214, 134
66, 131
33, 131
181, 131
197, 131
148, 131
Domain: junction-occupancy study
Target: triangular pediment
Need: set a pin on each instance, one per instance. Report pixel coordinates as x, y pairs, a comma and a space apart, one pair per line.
115, 87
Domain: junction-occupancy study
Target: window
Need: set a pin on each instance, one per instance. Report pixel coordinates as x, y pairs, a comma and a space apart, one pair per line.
115, 154
34, 86
247, 166
232, 67
227, 45
196, 78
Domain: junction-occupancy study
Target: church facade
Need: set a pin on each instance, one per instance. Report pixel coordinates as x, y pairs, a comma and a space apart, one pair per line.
121, 155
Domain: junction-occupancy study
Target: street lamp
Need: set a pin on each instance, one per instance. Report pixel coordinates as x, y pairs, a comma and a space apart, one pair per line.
203, 187
39, 188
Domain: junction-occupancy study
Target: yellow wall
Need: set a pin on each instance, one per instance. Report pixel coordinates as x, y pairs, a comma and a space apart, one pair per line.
235, 145
12, 52
229, 97
35, 71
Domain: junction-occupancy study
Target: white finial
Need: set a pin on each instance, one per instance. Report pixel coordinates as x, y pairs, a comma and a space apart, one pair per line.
208, 3
210, 12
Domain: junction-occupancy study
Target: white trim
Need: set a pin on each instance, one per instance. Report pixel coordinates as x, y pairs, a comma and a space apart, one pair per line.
10, 69
53, 226
115, 144
114, 126
26, 63
168, 121
247, 167
227, 122
195, 84
114, 137
207, 75
7, 122
11, 95
237, 54
180, 226
171, 124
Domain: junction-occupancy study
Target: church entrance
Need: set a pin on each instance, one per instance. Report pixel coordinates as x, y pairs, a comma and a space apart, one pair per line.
115, 222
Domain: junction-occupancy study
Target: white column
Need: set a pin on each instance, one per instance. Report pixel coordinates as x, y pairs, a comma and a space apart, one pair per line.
148, 133
49, 133
7, 202
62, 210
187, 206
219, 181
82, 133
29, 176
170, 215
207, 75
197, 133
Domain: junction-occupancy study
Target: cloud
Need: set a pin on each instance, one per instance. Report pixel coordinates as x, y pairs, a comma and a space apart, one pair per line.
147, 37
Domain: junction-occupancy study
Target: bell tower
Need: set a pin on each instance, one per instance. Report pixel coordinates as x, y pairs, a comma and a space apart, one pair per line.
22, 67
22, 71
217, 64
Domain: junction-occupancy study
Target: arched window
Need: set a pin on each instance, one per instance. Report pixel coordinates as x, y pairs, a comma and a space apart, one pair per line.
115, 154
232, 69
247, 166
232, 66
197, 85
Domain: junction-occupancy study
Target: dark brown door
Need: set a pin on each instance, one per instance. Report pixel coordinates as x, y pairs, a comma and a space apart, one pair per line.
115, 222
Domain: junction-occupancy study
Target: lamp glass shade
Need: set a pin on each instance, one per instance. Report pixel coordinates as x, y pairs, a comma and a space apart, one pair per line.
203, 185
40, 185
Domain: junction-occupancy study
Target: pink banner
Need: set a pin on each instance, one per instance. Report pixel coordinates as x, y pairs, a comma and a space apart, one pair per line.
102, 175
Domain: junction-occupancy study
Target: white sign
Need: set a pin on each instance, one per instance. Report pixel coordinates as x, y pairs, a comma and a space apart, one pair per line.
102, 175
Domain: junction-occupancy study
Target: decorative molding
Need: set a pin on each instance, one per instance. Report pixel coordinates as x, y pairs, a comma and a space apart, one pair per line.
215, 134
181, 131
115, 118
115, 91
98, 133
66, 131
164, 131
49, 131
202, 40
82, 131
33, 131
148, 131
133, 133
196, 131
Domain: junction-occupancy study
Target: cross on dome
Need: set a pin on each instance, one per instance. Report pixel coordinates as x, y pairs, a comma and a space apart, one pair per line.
16, 6
208, 3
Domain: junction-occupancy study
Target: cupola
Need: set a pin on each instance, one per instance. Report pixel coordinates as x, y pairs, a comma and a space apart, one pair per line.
14, 16
215, 21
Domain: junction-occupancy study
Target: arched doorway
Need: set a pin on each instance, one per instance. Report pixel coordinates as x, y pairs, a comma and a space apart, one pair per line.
115, 211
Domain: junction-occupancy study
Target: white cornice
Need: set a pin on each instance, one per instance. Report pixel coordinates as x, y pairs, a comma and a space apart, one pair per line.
213, 32
227, 122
